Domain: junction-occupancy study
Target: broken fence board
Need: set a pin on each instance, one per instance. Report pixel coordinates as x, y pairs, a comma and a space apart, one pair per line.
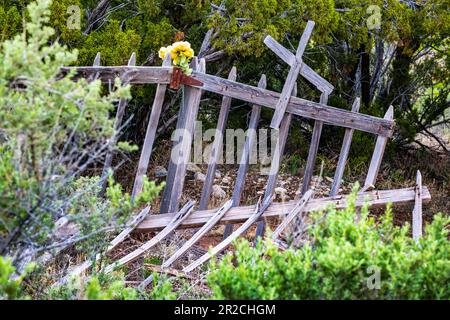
173, 224
308, 73
216, 147
291, 80
417, 213
150, 133
293, 213
378, 153
245, 157
313, 148
117, 125
343, 156
375, 199
226, 242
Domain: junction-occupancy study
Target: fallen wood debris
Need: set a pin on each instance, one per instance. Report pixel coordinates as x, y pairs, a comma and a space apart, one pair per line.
174, 223
375, 199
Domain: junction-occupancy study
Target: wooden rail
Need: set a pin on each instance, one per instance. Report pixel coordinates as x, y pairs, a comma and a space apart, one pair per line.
248, 93
239, 214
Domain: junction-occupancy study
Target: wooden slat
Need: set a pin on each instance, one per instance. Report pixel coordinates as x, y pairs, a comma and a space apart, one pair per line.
79, 269
200, 233
117, 125
245, 157
172, 192
173, 224
216, 147
417, 213
378, 153
286, 93
150, 133
259, 96
308, 73
313, 148
136, 75
226, 242
275, 165
375, 199
343, 156
293, 213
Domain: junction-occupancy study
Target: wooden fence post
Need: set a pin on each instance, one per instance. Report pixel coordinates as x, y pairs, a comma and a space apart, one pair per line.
417, 213
217, 146
150, 133
345, 149
186, 123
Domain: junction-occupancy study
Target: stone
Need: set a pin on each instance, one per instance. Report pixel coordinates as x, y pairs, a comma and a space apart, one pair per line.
193, 168
199, 176
160, 172
226, 180
218, 192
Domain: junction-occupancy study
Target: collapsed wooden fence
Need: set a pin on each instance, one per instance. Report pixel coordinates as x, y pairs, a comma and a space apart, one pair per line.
285, 105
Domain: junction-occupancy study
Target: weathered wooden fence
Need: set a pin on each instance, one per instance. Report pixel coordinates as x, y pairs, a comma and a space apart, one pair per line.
285, 105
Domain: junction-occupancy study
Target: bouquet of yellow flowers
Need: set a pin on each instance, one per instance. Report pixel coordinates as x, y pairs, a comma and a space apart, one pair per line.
181, 54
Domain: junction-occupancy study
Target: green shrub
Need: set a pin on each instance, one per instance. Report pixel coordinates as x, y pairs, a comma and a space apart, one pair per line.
344, 259
10, 287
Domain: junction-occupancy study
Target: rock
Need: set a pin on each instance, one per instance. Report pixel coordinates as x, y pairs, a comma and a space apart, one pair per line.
199, 176
64, 228
329, 179
218, 174
160, 172
280, 191
218, 192
226, 180
193, 168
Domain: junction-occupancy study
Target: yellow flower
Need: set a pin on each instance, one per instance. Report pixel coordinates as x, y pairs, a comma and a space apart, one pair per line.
162, 52
189, 53
181, 48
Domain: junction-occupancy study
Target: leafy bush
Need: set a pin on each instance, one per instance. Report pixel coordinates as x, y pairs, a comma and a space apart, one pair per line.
345, 257
10, 287
52, 130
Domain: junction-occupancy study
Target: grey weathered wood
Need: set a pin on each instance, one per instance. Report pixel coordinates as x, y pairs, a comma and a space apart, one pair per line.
177, 172
226, 242
245, 157
275, 166
313, 148
136, 75
378, 153
286, 93
117, 125
216, 148
174, 223
308, 73
345, 149
259, 96
417, 213
293, 213
150, 133
200, 233
79, 269
375, 199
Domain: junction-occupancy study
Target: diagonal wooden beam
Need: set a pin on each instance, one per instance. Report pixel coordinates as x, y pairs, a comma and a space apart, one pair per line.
345, 150
313, 149
251, 94
282, 103
378, 153
309, 74
375, 199
216, 147
150, 134
117, 125
250, 141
